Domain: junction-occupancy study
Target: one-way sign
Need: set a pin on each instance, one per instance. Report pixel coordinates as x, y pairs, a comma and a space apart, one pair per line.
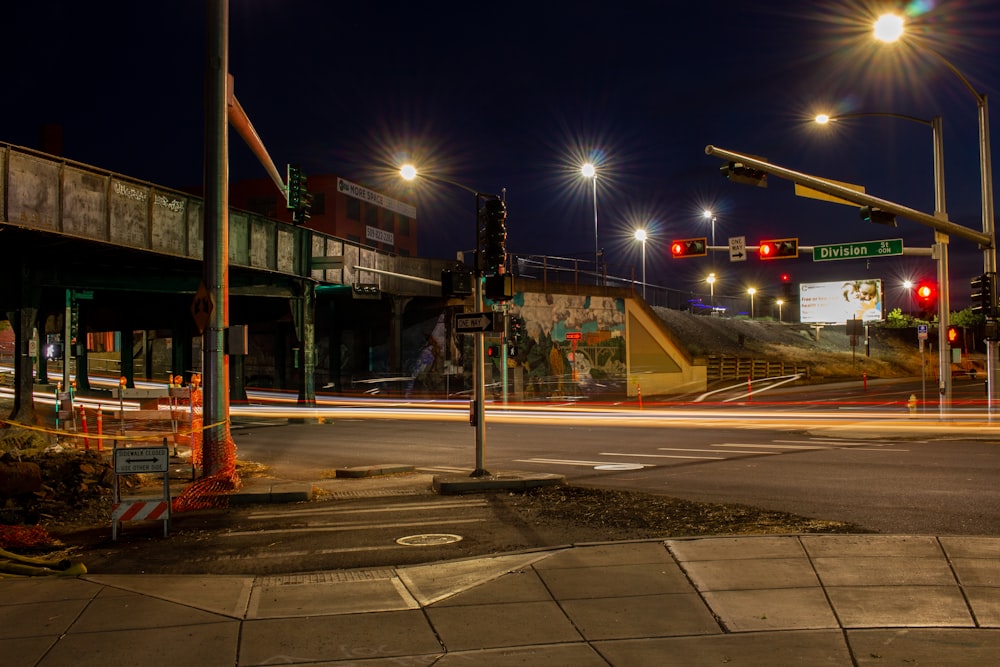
473, 322
737, 248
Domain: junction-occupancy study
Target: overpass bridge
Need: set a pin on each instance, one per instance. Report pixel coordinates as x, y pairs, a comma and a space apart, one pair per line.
89, 250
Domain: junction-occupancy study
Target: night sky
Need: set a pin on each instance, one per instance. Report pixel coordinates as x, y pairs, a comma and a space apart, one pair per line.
515, 96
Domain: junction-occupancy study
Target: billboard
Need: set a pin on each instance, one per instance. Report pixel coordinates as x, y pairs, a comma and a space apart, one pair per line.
837, 302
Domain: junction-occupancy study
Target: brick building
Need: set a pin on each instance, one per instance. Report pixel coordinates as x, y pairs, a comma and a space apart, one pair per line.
340, 208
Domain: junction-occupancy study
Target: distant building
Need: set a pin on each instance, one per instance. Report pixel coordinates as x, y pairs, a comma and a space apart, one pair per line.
340, 208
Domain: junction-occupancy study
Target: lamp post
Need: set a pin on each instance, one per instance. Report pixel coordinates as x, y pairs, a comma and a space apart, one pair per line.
640, 235
889, 28
590, 171
711, 289
708, 215
409, 172
780, 303
940, 242
751, 292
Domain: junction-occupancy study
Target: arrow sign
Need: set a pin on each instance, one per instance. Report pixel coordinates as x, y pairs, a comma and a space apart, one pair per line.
141, 459
737, 248
473, 322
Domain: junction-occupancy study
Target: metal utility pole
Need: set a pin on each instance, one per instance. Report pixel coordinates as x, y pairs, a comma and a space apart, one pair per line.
215, 410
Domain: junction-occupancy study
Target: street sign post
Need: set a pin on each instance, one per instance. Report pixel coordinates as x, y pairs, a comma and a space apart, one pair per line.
861, 250
473, 322
737, 248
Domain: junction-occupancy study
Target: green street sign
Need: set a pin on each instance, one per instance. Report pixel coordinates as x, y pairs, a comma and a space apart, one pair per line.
862, 250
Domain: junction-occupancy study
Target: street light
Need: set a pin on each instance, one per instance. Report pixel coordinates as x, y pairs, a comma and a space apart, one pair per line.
640, 235
940, 239
590, 171
751, 292
889, 28
780, 303
708, 215
711, 287
409, 173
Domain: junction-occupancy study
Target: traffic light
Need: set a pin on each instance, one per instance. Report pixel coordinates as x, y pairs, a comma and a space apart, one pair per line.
492, 236
304, 211
456, 282
984, 295
493, 351
689, 247
778, 249
926, 291
499, 287
737, 172
878, 216
516, 330
366, 291
952, 335
298, 200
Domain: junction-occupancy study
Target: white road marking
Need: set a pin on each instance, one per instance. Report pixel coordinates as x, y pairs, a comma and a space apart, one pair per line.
678, 449
343, 527
396, 507
743, 444
663, 456
590, 464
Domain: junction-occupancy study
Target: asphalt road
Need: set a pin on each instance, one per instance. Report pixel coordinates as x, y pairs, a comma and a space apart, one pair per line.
873, 475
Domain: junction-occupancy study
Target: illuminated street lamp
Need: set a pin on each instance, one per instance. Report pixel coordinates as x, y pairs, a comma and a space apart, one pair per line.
640, 235
711, 287
780, 302
940, 239
751, 292
708, 215
890, 28
409, 172
590, 171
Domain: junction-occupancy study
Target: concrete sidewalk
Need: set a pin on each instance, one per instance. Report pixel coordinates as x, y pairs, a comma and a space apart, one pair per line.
770, 600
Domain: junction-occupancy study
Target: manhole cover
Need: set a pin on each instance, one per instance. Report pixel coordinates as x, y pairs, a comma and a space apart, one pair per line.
619, 466
428, 540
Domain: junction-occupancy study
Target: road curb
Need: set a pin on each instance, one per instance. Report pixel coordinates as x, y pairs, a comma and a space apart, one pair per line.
506, 481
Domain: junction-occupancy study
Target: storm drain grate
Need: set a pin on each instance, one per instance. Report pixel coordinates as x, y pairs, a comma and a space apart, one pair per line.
338, 577
380, 493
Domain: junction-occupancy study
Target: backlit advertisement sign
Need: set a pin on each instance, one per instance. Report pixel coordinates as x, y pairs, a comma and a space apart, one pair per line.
837, 302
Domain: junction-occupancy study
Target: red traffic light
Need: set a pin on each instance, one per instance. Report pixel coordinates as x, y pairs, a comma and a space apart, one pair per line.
952, 334
689, 247
493, 351
778, 249
925, 291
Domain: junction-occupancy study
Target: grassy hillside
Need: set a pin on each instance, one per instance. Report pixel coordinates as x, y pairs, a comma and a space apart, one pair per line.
828, 353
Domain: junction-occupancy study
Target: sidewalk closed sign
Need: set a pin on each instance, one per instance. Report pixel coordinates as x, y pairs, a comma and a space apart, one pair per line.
134, 460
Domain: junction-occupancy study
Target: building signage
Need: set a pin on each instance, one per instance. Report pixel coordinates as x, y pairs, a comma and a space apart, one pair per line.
377, 198
863, 250
379, 235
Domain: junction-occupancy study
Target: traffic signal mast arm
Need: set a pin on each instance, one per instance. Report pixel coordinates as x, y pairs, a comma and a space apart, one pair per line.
918, 252
861, 199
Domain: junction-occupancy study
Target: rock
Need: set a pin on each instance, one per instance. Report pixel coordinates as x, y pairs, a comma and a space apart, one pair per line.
19, 478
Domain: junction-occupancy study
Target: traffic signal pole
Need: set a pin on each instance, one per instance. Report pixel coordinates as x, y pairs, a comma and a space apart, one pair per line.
478, 373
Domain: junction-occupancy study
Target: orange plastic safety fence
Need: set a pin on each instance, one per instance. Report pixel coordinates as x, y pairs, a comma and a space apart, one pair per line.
214, 489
